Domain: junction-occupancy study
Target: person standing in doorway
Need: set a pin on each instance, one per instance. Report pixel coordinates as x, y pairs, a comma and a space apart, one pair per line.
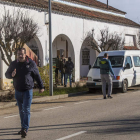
57, 69
68, 71
62, 69
23, 71
106, 71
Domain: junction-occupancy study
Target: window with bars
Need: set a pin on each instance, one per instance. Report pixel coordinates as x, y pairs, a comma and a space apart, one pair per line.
85, 56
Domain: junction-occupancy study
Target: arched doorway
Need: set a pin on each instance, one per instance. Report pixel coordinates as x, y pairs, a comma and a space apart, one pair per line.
36, 47
62, 45
87, 58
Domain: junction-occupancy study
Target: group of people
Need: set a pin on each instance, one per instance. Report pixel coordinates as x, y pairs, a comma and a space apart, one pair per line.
24, 71
65, 68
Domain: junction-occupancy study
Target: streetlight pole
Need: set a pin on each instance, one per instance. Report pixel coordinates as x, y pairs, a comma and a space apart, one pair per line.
107, 4
50, 52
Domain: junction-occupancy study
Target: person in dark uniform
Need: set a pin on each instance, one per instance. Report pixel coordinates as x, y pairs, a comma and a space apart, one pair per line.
106, 71
62, 69
57, 69
68, 71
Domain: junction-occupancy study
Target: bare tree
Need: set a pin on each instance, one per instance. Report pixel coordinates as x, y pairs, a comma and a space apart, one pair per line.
16, 29
106, 40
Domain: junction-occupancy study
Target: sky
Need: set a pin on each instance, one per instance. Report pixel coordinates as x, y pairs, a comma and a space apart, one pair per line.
131, 7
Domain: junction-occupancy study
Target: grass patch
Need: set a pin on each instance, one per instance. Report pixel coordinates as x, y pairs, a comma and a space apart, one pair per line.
59, 91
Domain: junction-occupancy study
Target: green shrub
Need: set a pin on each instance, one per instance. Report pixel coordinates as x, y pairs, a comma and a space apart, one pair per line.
44, 73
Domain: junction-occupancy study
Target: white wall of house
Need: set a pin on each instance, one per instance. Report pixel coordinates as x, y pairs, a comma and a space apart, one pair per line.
74, 29
77, 28
40, 39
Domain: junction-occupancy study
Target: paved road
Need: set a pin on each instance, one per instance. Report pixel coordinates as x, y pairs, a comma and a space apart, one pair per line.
87, 117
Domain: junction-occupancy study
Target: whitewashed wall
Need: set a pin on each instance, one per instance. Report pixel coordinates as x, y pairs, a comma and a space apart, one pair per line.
75, 29
40, 39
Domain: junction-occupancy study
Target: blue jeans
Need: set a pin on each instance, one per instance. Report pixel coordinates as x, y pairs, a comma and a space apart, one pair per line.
62, 75
70, 78
24, 100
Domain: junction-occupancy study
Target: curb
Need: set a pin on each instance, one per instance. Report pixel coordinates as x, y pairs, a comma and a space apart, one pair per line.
43, 99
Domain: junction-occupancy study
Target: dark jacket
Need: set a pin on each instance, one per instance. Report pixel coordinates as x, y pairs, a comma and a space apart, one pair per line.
57, 63
26, 72
69, 67
105, 67
62, 65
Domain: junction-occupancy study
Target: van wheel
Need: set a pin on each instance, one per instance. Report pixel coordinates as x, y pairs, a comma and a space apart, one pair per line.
124, 86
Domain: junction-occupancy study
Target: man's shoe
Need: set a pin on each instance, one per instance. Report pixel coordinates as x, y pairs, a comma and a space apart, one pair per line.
19, 133
110, 97
104, 97
65, 85
23, 133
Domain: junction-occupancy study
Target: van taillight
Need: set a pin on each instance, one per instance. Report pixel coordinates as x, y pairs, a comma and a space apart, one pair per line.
117, 77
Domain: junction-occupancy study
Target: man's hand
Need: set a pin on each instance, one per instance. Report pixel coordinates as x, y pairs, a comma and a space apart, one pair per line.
114, 77
14, 73
41, 90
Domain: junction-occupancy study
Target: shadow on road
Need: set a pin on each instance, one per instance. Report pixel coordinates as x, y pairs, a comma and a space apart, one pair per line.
124, 126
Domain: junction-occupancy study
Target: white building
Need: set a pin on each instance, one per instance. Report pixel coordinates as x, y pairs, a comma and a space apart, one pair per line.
71, 20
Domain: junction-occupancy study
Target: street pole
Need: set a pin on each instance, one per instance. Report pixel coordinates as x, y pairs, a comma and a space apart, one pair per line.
107, 4
50, 52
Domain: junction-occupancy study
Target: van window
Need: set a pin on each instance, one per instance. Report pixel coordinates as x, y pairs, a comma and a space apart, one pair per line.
136, 61
116, 61
128, 60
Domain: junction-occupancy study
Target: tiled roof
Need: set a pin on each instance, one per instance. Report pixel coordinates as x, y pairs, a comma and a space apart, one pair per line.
93, 15
130, 48
73, 11
35, 3
98, 4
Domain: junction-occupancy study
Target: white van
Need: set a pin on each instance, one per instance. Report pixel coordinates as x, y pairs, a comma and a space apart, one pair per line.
126, 67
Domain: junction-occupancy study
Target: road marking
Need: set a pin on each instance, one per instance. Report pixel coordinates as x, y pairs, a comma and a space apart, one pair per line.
10, 116
82, 102
69, 136
53, 108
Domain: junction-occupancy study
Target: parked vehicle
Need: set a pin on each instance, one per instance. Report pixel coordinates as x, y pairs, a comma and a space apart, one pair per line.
126, 67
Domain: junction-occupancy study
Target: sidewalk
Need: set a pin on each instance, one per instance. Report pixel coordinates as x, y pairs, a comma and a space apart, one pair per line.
41, 99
